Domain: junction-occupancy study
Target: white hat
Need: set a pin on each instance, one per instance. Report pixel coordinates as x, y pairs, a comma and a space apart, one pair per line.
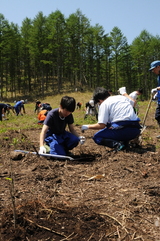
91, 102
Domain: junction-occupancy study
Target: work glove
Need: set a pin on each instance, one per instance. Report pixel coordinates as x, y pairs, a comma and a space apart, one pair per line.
82, 140
84, 128
155, 97
153, 91
122, 90
42, 150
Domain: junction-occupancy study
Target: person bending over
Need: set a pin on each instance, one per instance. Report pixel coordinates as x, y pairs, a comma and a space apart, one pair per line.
19, 106
117, 121
3, 109
155, 68
54, 132
134, 95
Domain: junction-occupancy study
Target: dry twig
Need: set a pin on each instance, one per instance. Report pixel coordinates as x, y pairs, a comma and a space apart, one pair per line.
67, 237
114, 220
90, 237
48, 229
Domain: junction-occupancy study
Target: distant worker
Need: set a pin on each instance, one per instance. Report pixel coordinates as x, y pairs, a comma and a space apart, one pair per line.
10, 107
45, 106
19, 106
155, 68
44, 109
134, 95
42, 116
3, 109
37, 106
91, 109
79, 105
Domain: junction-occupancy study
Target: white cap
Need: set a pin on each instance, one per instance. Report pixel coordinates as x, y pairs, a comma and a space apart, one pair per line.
91, 102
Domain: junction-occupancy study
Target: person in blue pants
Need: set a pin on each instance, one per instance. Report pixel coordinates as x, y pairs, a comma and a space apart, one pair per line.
117, 121
54, 132
19, 106
155, 68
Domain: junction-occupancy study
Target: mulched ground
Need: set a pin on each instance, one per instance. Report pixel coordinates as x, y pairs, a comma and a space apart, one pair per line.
105, 195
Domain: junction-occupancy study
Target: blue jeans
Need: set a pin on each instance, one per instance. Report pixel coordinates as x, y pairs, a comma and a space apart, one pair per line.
124, 134
60, 144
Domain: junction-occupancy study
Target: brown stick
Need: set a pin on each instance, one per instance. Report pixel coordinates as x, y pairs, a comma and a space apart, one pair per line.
146, 114
48, 229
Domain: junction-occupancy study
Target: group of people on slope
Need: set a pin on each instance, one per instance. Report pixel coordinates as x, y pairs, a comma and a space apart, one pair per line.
17, 109
117, 124
117, 120
92, 108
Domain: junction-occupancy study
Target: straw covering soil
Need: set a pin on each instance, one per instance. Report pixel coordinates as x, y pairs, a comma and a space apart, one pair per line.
101, 196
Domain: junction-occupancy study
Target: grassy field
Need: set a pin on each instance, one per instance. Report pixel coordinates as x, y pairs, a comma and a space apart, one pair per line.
29, 120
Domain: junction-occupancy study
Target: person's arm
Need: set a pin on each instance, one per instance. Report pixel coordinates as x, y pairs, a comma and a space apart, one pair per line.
3, 113
97, 126
43, 134
129, 97
154, 91
123, 92
24, 111
82, 139
72, 130
6, 112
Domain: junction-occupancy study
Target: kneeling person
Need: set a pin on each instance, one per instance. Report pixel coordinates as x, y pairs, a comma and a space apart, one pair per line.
117, 120
53, 131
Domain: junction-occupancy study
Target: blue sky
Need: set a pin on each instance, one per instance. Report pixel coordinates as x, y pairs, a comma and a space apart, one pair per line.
130, 16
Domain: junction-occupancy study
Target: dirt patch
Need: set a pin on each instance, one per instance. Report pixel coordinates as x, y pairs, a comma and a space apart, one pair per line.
102, 196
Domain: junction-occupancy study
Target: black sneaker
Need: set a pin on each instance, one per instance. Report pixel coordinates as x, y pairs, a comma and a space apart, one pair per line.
120, 146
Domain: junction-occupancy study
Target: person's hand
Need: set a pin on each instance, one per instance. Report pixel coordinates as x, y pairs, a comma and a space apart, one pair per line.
84, 128
122, 90
82, 140
153, 91
42, 150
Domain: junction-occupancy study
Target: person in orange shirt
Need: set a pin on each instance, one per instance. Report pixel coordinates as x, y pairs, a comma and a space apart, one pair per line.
42, 116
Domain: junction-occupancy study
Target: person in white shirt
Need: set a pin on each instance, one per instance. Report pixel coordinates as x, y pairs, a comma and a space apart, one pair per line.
117, 121
134, 95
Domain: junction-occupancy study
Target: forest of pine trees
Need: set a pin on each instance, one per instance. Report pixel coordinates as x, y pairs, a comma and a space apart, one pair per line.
52, 54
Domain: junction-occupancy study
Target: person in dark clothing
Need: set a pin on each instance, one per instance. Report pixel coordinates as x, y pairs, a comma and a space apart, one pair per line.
53, 131
37, 106
79, 105
45, 106
3, 109
10, 107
